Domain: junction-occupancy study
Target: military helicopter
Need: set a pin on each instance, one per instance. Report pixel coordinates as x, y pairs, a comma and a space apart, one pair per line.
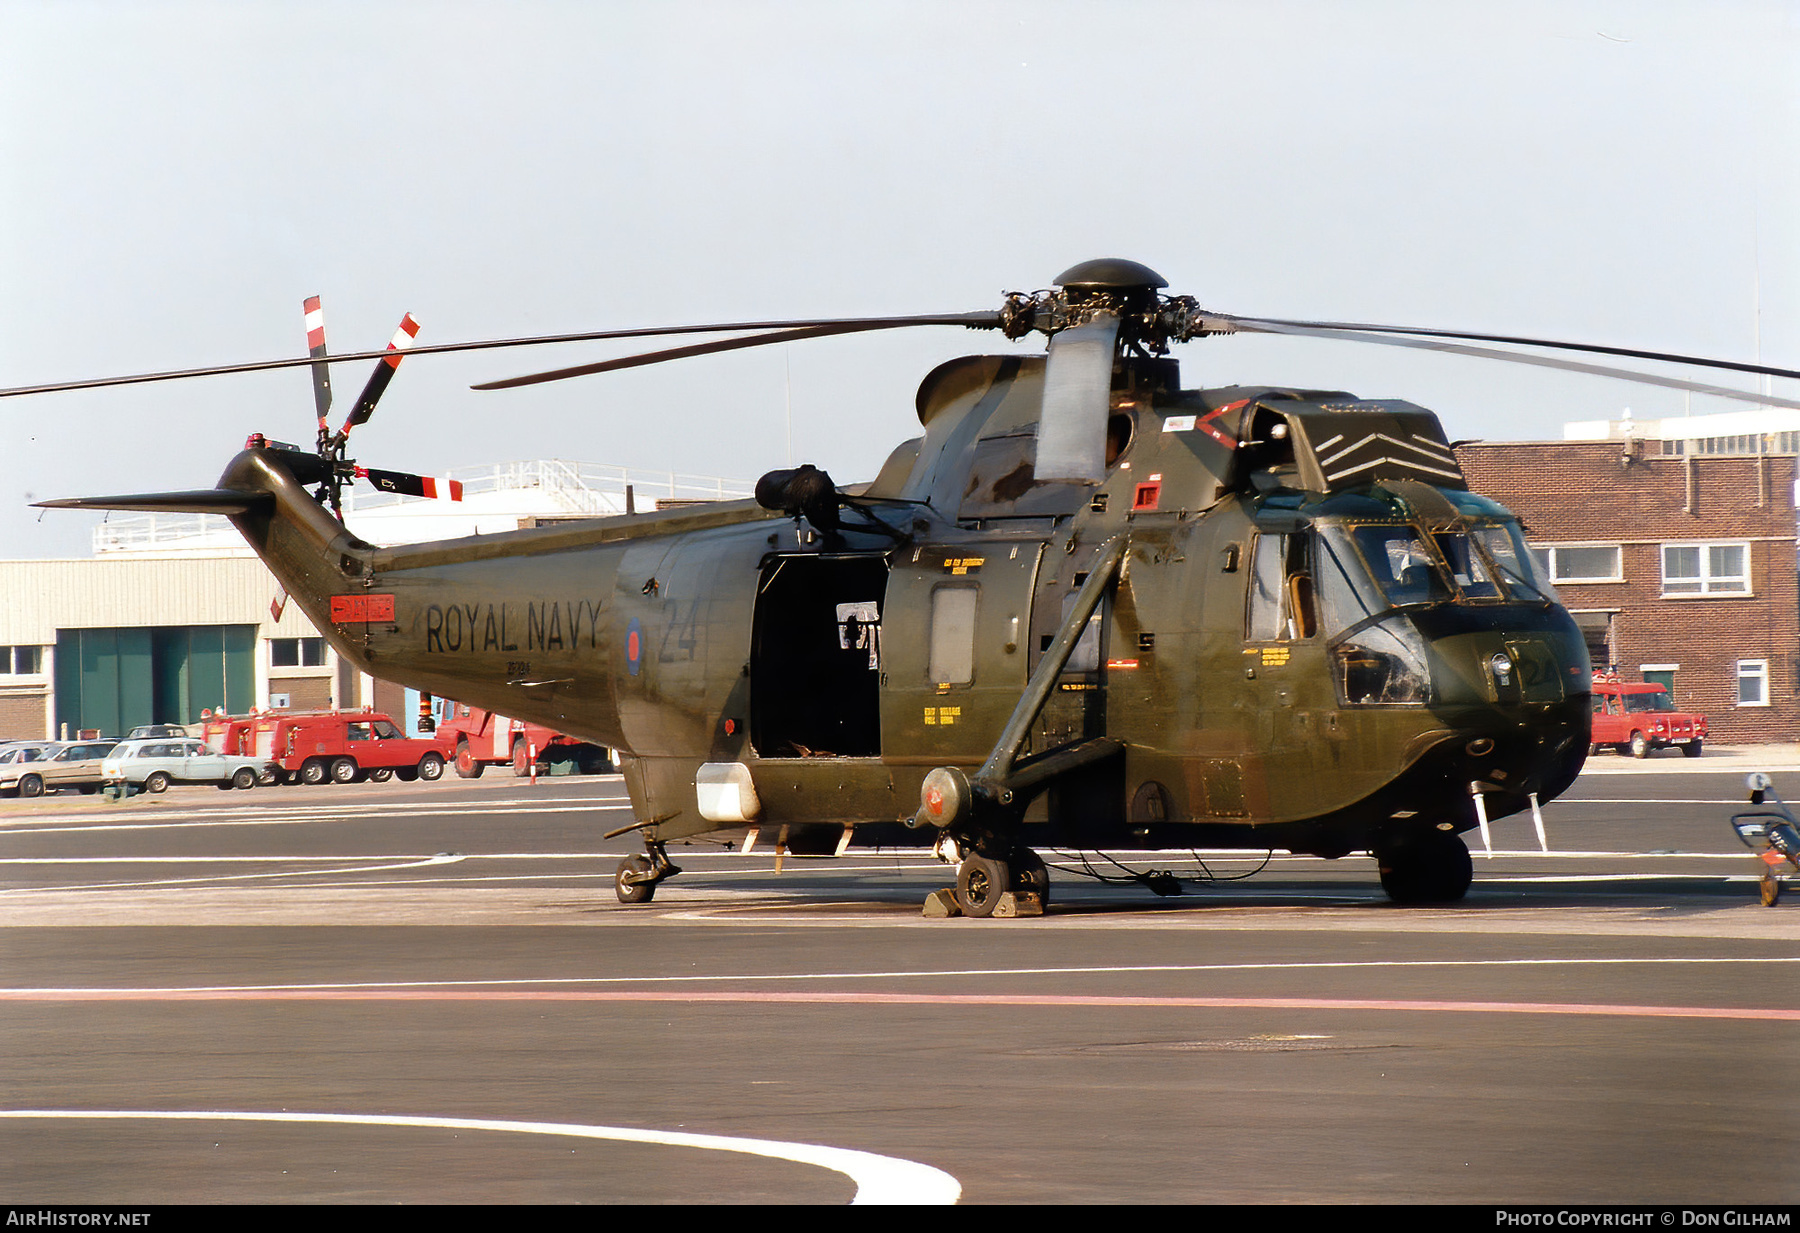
1086, 608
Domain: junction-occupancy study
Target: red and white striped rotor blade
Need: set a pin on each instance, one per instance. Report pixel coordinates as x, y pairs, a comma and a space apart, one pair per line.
409, 485
315, 346
384, 373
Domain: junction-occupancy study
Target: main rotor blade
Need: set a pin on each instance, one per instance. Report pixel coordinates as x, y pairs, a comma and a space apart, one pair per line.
1265, 326
1071, 441
975, 320
824, 329
1511, 340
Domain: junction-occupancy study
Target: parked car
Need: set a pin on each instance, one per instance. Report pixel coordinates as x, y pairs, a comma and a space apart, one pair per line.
156, 763
54, 765
1636, 718
18, 760
345, 747
163, 730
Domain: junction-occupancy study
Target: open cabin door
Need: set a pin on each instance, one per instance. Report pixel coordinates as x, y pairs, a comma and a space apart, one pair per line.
950, 683
815, 663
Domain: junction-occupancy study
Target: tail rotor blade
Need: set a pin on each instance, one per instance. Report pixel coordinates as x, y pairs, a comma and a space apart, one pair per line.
1077, 397
384, 373
315, 346
408, 485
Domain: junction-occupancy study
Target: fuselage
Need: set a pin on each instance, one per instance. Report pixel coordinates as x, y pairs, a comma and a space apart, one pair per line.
1289, 656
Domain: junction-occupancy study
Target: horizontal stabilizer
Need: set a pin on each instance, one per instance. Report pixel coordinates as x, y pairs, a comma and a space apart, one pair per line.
198, 501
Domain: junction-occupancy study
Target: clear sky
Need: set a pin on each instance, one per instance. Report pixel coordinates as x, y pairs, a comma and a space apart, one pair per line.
176, 177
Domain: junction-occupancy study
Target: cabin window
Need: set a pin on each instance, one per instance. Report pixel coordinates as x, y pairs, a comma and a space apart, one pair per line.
1282, 605
953, 635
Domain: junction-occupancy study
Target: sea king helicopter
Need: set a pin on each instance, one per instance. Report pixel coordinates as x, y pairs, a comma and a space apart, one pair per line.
1086, 608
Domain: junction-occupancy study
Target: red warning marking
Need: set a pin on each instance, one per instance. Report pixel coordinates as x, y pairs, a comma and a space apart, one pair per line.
350, 608
403, 337
1204, 423
1147, 496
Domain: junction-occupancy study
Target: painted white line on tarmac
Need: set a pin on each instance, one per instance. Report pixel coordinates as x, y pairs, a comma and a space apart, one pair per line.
35, 992
884, 1180
442, 858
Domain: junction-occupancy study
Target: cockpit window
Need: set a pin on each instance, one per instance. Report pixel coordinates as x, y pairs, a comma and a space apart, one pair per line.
1402, 565
1467, 568
1506, 548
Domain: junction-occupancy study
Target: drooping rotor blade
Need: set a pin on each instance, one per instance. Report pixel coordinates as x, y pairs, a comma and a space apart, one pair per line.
974, 320
384, 373
407, 484
1427, 340
197, 501
1077, 396
315, 345
1509, 339
823, 329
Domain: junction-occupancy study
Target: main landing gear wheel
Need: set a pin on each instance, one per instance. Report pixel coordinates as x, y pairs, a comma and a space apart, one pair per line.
1431, 868
980, 881
626, 885
1030, 875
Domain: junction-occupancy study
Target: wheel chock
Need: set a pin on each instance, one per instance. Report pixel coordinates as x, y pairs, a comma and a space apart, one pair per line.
941, 903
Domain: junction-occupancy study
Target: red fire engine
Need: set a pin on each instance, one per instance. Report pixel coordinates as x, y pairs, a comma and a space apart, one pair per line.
345, 747
482, 739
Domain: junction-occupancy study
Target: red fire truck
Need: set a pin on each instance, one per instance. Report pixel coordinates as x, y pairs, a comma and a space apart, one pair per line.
482, 739
1635, 718
345, 747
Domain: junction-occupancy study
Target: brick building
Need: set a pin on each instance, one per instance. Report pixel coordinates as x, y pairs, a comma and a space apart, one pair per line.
1679, 568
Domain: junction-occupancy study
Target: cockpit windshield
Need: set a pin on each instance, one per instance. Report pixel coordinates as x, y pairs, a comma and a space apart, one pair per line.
1370, 567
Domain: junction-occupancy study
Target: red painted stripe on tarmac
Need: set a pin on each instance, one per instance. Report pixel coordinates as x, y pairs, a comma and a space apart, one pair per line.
1624, 1010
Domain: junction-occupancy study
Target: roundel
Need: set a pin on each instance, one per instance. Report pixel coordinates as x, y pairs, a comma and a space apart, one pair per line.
634, 646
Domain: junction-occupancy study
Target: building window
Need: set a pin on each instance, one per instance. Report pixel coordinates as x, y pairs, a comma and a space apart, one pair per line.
21, 660
1753, 682
1706, 569
296, 652
1581, 562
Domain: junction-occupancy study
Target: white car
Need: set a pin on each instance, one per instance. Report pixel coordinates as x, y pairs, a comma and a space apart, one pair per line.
155, 763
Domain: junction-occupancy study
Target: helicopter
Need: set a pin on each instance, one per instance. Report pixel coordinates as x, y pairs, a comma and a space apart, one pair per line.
1085, 608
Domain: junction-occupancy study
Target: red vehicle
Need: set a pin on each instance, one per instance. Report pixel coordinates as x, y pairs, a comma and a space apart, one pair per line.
482, 739
1635, 718
345, 747
229, 734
